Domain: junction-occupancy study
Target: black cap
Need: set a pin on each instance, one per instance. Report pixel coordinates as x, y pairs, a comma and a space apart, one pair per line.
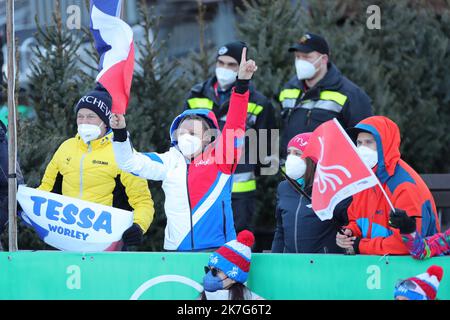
354, 131
99, 101
311, 42
232, 49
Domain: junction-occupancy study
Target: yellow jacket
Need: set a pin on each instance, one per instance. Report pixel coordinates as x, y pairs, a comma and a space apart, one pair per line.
89, 172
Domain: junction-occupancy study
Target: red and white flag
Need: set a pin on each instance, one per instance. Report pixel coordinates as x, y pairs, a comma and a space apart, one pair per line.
340, 172
114, 42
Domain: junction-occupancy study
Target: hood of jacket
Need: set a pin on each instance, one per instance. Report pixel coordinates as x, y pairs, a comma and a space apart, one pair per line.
387, 137
206, 114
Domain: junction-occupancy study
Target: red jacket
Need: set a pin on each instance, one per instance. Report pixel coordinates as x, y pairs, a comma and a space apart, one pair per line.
369, 211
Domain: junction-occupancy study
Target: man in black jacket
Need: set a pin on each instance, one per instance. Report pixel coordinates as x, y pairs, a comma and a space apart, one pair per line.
319, 92
214, 94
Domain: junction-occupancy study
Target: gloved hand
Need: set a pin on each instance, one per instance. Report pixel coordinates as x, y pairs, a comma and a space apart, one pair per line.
400, 220
133, 236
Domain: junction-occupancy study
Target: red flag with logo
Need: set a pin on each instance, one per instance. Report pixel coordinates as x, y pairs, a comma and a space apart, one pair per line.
340, 172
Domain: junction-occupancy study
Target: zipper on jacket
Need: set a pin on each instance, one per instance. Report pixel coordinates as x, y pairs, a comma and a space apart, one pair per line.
81, 169
296, 219
308, 117
190, 209
371, 220
369, 229
224, 222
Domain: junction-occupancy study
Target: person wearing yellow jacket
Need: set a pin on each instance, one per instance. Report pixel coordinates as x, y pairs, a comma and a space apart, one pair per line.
84, 167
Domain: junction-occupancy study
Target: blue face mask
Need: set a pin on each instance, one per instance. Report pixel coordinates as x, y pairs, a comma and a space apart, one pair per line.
212, 283
301, 182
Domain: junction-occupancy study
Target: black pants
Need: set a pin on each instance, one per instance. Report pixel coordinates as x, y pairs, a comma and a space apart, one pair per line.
243, 204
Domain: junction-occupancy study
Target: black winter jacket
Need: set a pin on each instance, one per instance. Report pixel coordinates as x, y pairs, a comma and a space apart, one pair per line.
334, 96
298, 228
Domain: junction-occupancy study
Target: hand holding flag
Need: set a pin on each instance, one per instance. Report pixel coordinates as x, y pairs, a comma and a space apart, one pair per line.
117, 121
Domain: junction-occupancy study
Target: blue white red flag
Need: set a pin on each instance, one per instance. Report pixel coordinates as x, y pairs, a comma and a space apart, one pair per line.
114, 43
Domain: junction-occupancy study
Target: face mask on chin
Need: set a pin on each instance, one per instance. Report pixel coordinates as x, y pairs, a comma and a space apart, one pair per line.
305, 69
189, 144
368, 156
89, 132
295, 167
225, 77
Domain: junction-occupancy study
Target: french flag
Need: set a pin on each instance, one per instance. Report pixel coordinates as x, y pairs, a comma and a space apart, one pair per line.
114, 43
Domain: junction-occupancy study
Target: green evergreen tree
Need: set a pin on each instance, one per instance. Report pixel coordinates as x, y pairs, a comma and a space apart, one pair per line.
269, 28
413, 50
198, 65
403, 66
55, 88
56, 84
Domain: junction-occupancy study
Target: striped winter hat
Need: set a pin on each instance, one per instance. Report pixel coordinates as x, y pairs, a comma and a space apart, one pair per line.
421, 287
233, 258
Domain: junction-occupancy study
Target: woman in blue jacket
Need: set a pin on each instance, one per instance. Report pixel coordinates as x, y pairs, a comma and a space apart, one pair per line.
298, 228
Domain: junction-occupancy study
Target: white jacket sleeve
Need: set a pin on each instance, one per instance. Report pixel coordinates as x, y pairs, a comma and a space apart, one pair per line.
152, 166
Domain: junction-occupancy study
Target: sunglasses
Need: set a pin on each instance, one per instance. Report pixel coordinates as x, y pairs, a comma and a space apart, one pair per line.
213, 270
407, 284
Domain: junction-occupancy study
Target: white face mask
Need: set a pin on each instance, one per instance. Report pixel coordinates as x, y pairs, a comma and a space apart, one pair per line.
305, 69
189, 144
89, 132
225, 77
295, 167
369, 156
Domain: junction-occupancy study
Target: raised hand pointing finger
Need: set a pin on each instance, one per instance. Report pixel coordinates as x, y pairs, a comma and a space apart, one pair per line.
246, 68
244, 55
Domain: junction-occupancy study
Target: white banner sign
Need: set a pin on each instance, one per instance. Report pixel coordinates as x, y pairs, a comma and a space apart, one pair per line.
71, 224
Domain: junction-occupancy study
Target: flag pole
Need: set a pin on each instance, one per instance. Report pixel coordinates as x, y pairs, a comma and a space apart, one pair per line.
294, 184
12, 131
122, 9
385, 195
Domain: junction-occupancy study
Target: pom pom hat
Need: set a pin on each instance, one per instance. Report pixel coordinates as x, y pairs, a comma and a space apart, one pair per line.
426, 285
233, 258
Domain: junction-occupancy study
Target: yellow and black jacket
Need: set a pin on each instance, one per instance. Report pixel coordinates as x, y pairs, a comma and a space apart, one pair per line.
89, 172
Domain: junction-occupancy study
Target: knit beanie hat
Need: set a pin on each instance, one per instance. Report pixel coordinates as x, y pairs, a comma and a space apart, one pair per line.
99, 101
232, 49
421, 287
300, 141
233, 258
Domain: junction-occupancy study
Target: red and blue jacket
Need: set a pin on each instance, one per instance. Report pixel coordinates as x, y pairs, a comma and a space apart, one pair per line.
369, 211
198, 192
